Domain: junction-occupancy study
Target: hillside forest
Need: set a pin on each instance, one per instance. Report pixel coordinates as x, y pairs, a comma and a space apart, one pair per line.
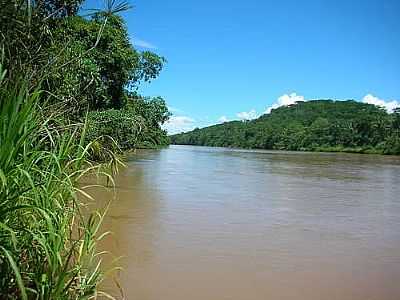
319, 125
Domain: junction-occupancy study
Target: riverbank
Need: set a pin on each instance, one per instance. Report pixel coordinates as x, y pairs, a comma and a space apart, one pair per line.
65, 106
48, 248
337, 149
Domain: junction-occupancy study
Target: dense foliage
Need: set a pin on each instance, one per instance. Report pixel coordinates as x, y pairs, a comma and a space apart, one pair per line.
134, 126
84, 63
67, 101
321, 125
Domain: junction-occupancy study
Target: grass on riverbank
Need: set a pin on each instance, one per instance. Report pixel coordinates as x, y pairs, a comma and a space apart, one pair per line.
47, 246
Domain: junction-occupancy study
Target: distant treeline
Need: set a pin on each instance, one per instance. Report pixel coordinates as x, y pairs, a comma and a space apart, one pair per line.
319, 125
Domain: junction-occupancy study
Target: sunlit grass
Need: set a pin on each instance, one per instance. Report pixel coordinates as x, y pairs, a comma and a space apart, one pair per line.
47, 246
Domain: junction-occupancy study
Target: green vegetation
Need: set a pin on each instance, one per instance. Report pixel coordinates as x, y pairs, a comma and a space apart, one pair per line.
137, 125
67, 101
47, 248
83, 63
321, 125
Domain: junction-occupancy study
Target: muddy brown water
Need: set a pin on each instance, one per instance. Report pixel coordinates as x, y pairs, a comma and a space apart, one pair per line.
212, 223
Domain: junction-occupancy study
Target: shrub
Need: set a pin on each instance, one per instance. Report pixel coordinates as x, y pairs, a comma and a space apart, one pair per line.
392, 145
122, 126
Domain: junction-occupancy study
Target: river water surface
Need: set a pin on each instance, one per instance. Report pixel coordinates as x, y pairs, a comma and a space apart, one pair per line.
198, 223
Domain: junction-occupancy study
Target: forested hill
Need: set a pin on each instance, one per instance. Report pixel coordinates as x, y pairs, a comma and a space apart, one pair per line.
318, 125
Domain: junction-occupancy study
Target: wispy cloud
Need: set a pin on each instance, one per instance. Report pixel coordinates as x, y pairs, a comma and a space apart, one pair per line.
143, 44
178, 124
388, 105
175, 110
247, 115
223, 119
285, 100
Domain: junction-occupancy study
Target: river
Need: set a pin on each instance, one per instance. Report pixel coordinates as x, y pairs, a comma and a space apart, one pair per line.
205, 223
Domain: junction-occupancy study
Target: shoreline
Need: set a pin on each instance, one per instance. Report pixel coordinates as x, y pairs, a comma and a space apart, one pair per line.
363, 151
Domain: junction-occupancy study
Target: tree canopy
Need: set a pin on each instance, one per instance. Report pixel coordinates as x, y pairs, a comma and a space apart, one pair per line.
85, 63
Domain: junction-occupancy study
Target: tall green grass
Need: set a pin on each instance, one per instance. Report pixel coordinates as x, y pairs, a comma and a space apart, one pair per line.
47, 245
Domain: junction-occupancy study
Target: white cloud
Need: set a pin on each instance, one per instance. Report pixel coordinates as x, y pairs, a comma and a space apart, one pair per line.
143, 44
178, 124
388, 105
223, 119
285, 100
175, 110
250, 115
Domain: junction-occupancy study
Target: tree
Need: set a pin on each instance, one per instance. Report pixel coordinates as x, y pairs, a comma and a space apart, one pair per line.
396, 119
82, 63
57, 8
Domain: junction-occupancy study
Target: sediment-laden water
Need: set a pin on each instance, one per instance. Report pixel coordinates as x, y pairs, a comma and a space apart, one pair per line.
211, 223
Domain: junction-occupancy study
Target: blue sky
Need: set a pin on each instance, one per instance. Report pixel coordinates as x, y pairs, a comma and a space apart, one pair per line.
235, 59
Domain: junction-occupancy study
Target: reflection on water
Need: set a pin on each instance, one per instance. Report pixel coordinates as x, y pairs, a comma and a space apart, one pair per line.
213, 223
